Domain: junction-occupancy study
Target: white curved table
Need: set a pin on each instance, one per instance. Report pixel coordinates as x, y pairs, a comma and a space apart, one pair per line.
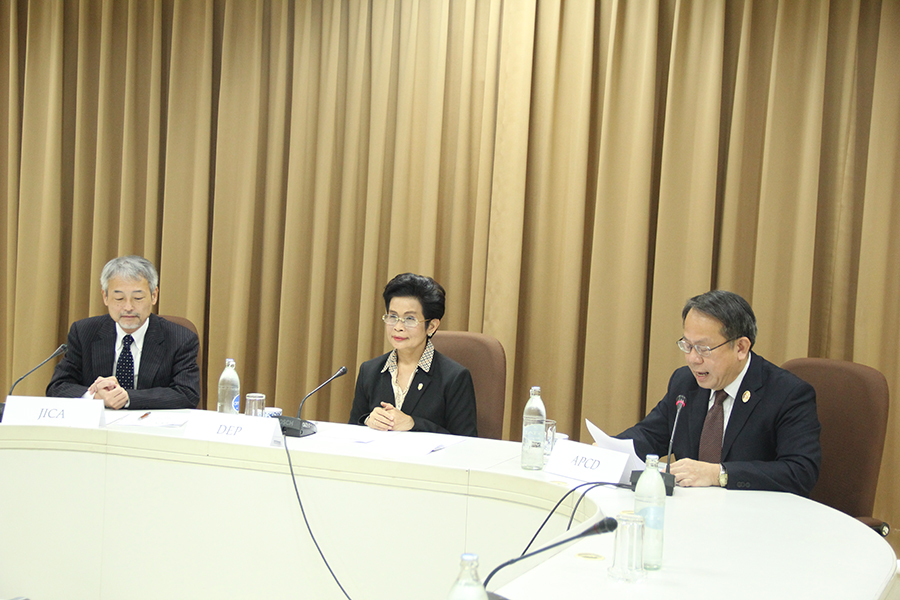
131, 514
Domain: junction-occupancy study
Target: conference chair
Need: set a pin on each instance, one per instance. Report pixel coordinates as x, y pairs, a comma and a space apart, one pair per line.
485, 359
185, 322
852, 402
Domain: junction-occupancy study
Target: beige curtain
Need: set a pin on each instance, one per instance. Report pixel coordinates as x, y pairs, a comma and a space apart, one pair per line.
571, 171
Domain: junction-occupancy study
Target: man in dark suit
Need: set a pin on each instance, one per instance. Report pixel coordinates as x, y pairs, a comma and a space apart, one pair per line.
130, 358
760, 432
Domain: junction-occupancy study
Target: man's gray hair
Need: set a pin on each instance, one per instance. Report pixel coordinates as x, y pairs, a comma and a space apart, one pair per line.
129, 268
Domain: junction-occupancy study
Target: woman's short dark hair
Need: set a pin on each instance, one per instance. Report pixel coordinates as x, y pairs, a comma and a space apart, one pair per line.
731, 310
426, 290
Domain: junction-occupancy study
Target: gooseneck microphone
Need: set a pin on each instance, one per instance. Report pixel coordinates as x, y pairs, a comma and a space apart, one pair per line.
679, 402
668, 478
602, 526
61, 350
297, 427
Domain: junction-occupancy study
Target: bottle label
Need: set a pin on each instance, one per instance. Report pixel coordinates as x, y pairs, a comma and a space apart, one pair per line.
654, 516
236, 403
534, 436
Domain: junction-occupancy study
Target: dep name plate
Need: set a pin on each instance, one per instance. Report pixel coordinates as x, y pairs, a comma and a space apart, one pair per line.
233, 429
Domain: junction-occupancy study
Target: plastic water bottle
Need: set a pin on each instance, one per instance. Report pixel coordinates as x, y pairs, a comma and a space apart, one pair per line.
650, 503
229, 389
533, 432
468, 585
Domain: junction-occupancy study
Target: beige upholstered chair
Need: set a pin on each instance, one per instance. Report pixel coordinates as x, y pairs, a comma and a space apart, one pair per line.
485, 359
185, 322
852, 402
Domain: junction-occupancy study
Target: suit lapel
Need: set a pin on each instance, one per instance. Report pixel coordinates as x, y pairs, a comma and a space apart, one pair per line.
417, 389
151, 354
740, 410
103, 351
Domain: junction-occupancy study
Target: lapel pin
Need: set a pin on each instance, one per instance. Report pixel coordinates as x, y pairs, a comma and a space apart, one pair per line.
745, 397
420, 389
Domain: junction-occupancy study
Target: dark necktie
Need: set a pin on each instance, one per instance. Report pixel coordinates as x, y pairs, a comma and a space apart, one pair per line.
713, 427
125, 366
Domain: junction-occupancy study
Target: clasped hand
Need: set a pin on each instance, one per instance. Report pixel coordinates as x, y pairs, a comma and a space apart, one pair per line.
387, 417
108, 389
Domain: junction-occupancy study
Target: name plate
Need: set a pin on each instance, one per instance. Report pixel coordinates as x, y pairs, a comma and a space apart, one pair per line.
59, 412
234, 429
584, 462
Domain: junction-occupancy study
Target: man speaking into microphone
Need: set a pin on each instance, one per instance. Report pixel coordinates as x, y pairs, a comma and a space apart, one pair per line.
746, 423
130, 358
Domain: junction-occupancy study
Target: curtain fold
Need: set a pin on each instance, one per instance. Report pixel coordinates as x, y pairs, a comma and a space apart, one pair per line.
44, 198
10, 134
508, 188
686, 219
877, 314
571, 172
187, 96
617, 302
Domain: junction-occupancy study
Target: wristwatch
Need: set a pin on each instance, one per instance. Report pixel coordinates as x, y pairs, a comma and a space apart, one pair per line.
723, 476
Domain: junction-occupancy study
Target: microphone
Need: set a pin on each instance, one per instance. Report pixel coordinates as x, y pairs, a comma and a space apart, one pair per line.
297, 427
679, 402
602, 526
61, 350
668, 478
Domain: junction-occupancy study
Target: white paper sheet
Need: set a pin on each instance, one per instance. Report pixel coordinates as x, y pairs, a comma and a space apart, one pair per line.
146, 418
387, 444
610, 443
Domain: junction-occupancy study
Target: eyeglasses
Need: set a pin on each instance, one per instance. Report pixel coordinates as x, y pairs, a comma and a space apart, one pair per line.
703, 351
409, 322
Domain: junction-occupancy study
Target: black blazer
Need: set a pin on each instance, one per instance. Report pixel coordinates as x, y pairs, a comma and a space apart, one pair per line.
441, 400
771, 441
168, 377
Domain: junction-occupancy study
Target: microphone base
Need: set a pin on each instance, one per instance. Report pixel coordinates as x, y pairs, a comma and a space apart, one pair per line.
294, 427
668, 479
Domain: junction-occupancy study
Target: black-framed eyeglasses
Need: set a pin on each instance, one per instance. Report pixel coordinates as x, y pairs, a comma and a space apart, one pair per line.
409, 322
704, 351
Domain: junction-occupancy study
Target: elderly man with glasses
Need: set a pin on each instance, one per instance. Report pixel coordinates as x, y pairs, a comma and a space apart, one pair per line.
747, 423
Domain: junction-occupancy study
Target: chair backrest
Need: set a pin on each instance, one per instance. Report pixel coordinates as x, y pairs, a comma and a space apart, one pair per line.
185, 322
485, 359
852, 403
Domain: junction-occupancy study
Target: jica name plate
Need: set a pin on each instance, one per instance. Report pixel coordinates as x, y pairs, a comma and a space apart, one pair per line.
58, 412
584, 462
234, 429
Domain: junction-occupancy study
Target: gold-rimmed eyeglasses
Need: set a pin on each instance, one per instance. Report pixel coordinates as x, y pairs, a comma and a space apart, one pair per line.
409, 322
704, 351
